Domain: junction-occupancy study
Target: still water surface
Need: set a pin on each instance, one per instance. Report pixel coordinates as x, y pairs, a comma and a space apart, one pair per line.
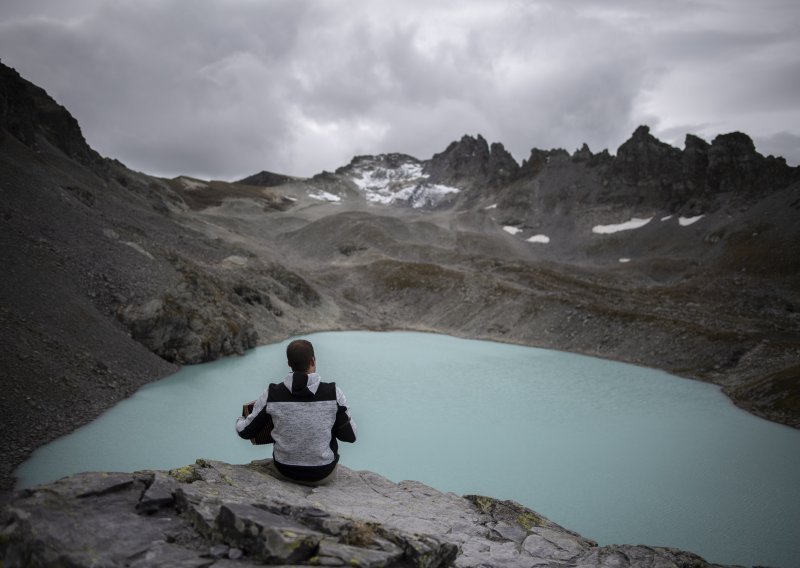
619, 453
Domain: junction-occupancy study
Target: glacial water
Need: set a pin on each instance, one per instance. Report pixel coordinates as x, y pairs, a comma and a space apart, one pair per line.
619, 453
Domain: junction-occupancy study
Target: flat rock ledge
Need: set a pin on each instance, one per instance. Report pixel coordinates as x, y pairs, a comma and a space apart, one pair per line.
220, 515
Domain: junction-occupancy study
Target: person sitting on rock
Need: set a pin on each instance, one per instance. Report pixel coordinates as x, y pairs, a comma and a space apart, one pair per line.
306, 416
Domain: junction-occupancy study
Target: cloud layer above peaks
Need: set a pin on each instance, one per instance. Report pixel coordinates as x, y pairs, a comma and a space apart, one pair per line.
224, 88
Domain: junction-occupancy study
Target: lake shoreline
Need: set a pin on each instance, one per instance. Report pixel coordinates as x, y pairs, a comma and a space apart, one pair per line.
590, 434
19, 450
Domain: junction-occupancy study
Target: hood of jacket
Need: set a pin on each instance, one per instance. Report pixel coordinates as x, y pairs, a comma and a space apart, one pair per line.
302, 384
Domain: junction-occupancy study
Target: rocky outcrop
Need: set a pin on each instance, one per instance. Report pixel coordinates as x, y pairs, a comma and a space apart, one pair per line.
646, 176
205, 317
735, 166
471, 163
31, 116
216, 514
706, 177
188, 329
539, 159
643, 160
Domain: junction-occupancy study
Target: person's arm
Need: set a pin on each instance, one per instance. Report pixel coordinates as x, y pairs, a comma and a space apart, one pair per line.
345, 427
249, 426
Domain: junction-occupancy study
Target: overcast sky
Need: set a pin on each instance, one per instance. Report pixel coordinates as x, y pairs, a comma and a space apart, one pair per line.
225, 88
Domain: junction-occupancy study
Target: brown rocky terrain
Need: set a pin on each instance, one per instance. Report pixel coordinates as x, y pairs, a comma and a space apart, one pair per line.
112, 278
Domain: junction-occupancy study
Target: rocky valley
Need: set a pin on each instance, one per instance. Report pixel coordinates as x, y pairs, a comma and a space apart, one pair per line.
685, 260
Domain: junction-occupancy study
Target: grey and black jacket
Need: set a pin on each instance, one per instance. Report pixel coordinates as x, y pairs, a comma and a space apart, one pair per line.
307, 417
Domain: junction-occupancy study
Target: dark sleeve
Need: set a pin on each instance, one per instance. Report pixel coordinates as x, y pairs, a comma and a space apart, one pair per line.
345, 427
249, 426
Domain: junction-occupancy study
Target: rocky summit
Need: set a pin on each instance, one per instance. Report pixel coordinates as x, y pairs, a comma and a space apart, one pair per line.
213, 514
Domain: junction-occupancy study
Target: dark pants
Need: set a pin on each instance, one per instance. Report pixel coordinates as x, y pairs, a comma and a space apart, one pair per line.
270, 468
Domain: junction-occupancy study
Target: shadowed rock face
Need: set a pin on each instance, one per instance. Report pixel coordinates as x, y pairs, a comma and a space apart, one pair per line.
265, 178
470, 162
111, 277
212, 513
29, 114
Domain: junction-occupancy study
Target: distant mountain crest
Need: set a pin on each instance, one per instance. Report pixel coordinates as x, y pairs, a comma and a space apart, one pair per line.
267, 179
395, 178
471, 162
31, 116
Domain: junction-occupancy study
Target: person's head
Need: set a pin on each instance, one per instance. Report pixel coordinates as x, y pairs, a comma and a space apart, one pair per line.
300, 355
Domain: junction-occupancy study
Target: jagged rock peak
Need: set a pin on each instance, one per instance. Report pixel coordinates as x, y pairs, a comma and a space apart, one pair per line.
644, 157
31, 116
472, 162
734, 163
694, 143
642, 131
737, 142
584, 154
538, 159
643, 147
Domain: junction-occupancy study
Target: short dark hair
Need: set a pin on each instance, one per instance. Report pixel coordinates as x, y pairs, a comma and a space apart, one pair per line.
300, 353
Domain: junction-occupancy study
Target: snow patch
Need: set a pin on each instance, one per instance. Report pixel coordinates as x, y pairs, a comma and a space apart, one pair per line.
404, 183
324, 196
544, 239
137, 247
234, 260
667, 218
492, 206
430, 194
624, 260
634, 223
191, 184
512, 230
686, 221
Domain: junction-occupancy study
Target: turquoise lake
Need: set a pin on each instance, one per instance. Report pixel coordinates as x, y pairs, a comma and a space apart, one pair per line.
618, 453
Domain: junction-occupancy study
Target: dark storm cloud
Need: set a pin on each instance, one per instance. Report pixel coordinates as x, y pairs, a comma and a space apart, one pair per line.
167, 87
223, 89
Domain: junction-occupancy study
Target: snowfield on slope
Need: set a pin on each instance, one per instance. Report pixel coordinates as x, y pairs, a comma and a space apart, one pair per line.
543, 239
325, 196
633, 223
404, 183
686, 221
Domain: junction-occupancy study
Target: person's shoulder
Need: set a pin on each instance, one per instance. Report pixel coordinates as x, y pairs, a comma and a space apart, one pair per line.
273, 387
327, 389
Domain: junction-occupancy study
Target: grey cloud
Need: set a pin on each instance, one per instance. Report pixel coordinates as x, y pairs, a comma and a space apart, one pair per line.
224, 89
785, 144
560, 92
169, 89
